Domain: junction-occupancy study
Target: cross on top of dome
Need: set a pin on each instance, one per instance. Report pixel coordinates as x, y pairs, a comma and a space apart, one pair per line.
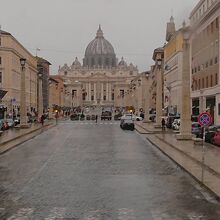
99, 33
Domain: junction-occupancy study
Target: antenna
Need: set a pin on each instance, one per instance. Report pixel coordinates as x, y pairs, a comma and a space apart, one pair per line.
37, 49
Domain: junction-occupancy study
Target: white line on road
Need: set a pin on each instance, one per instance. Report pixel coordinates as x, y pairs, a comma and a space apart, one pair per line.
22, 214
56, 213
126, 214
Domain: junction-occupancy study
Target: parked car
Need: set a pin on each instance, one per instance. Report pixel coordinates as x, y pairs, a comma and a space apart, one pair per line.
74, 117
176, 124
216, 138
1, 124
170, 120
127, 124
17, 121
10, 122
93, 117
132, 116
210, 133
88, 117
196, 129
5, 125
152, 117
117, 116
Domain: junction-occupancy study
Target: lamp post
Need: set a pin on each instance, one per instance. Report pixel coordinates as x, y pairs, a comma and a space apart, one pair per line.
23, 107
40, 94
185, 125
146, 98
159, 95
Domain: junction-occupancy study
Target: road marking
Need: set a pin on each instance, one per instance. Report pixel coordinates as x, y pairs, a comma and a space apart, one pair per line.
126, 214
92, 215
22, 214
56, 213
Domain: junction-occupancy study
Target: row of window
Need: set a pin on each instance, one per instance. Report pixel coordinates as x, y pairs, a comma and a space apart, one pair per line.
131, 73
205, 6
92, 97
203, 66
205, 82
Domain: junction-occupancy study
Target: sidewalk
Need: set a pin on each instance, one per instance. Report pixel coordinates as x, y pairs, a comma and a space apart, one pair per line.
12, 137
202, 163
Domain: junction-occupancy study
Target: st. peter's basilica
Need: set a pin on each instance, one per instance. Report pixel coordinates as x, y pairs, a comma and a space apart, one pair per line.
101, 80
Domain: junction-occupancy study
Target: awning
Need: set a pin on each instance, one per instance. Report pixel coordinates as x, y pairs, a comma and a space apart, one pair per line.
2, 93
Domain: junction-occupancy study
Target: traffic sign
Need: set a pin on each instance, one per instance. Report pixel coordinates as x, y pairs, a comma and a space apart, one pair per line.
205, 119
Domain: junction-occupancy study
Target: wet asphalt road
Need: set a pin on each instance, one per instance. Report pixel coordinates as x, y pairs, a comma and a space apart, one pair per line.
88, 171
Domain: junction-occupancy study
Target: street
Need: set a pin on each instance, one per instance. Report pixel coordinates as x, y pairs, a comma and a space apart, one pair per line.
87, 171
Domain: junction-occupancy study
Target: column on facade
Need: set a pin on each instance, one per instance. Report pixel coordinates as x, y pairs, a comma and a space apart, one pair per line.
202, 103
102, 91
89, 91
159, 97
95, 90
110, 92
107, 90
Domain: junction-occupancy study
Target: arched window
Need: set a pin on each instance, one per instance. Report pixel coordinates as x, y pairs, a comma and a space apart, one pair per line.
107, 61
100, 61
211, 81
92, 62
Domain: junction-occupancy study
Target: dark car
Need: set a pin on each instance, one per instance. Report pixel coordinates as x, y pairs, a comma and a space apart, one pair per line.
127, 124
117, 116
210, 133
196, 129
88, 117
93, 117
74, 117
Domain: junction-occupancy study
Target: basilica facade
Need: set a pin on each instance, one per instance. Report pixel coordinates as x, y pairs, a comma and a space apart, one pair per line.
101, 80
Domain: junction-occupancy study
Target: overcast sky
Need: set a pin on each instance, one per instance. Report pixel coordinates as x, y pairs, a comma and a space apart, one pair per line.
63, 28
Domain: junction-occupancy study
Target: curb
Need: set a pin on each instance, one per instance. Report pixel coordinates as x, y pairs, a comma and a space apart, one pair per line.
194, 160
12, 143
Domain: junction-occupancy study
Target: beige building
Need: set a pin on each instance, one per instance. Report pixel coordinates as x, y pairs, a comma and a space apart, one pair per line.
173, 59
56, 93
10, 74
205, 48
100, 80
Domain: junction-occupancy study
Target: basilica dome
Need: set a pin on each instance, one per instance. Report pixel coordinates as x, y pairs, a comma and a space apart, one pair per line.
99, 52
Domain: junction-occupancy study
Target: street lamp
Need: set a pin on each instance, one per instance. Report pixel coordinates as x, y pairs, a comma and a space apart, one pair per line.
185, 125
146, 97
158, 58
23, 108
40, 92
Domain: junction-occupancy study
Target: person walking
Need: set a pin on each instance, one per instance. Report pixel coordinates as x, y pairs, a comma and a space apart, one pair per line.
163, 124
96, 118
42, 120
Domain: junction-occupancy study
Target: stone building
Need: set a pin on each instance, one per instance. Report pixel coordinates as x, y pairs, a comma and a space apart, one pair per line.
56, 93
101, 80
173, 55
204, 20
10, 74
43, 67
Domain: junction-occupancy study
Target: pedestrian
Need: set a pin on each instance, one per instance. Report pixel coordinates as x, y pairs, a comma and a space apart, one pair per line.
96, 118
42, 120
163, 124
